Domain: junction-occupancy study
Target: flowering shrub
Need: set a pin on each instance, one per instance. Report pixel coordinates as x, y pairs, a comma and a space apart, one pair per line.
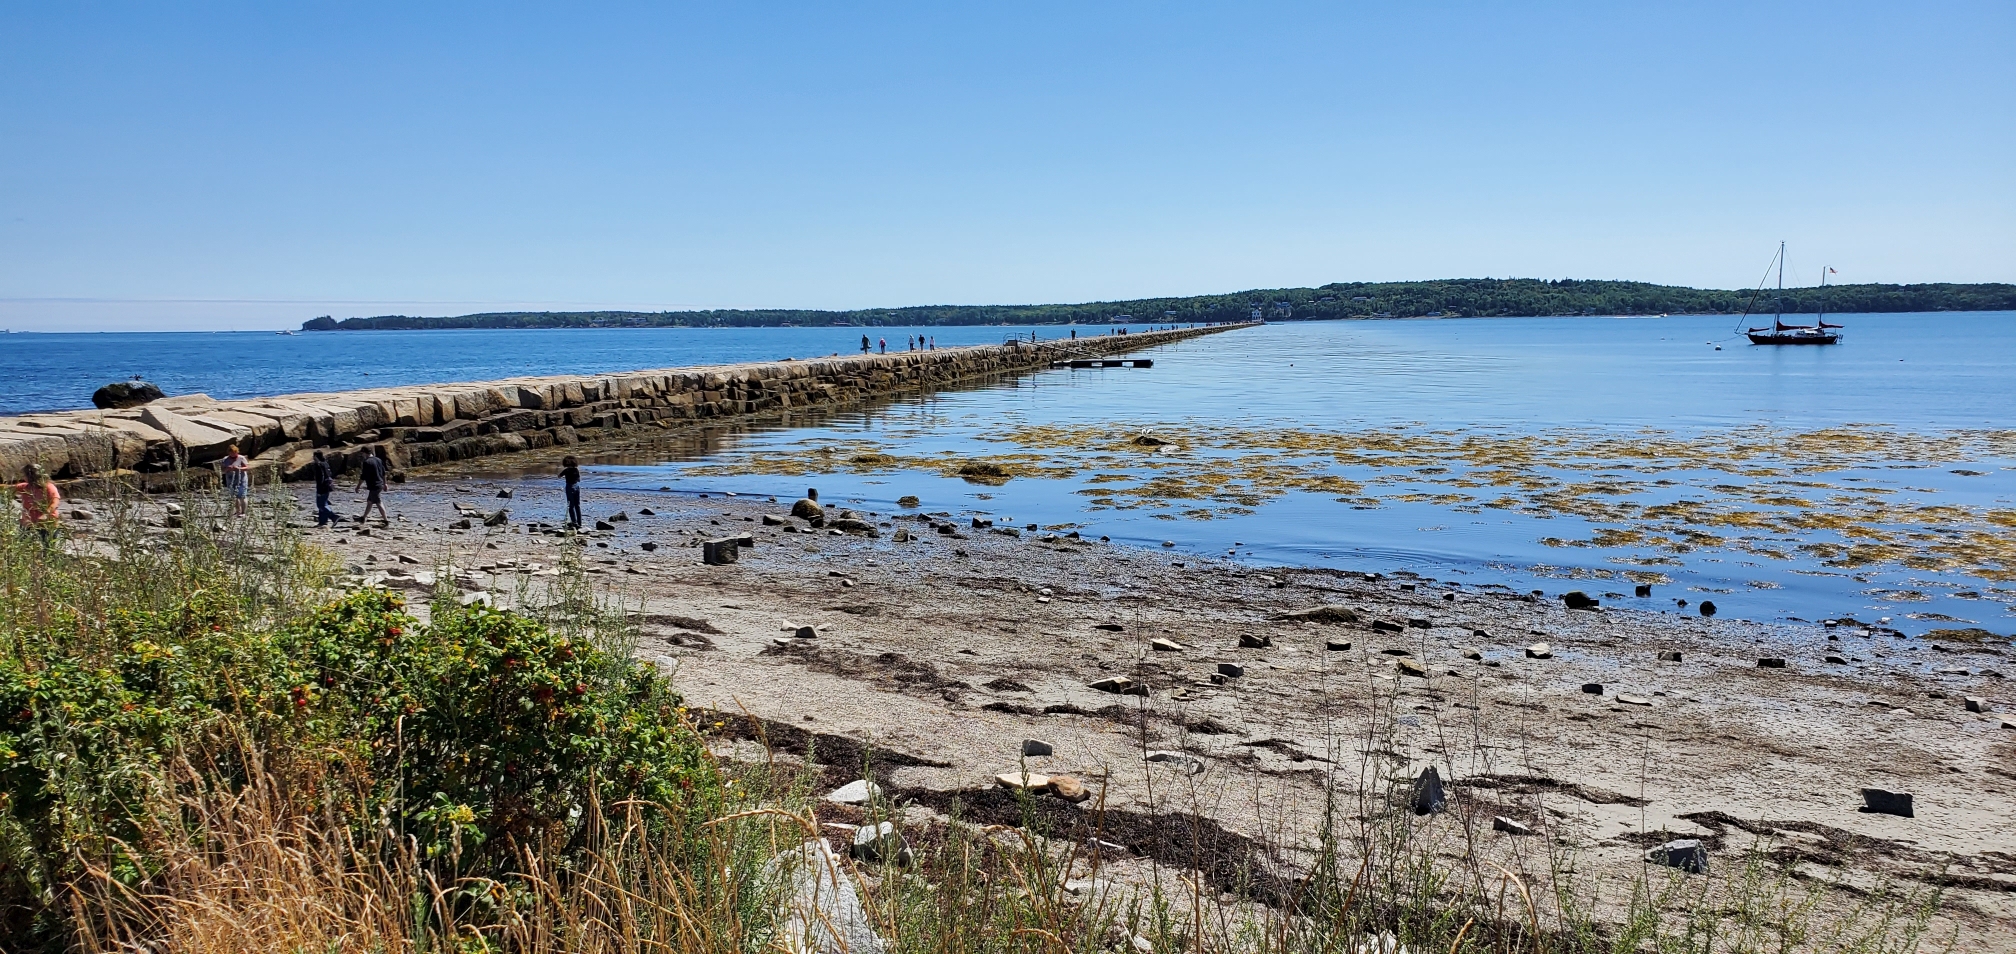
82, 733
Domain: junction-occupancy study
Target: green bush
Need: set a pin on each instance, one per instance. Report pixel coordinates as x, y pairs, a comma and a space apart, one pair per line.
476, 735
488, 724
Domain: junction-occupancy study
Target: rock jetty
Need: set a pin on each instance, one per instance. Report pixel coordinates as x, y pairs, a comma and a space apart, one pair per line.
178, 437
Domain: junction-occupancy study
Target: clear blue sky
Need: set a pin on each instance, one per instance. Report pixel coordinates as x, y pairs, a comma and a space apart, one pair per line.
211, 165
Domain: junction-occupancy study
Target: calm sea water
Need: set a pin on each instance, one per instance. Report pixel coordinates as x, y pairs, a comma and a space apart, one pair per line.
56, 371
1876, 478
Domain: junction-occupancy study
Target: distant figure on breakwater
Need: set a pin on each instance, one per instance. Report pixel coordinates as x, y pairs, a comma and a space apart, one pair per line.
885, 345
865, 346
325, 484
40, 503
912, 340
371, 472
570, 471
237, 479
934, 342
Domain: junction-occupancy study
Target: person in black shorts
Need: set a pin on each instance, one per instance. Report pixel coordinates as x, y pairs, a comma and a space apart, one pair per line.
570, 471
371, 477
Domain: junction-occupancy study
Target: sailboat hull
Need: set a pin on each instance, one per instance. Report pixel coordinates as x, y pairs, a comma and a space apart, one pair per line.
1790, 338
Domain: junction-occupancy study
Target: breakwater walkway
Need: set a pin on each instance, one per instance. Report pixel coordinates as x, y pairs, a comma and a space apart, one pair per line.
159, 443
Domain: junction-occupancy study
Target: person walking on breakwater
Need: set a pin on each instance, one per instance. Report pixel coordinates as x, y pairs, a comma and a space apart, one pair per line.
325, 484
885, 345
371, 472
237, 479
41, 503
865, 346
570, 471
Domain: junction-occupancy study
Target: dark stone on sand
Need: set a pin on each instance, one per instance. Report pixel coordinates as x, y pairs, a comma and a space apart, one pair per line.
1576, 599
604, 525
1593, 688
1642, 589
1686, 854
1876, 801
1670, 655
1254, 641
648, 546
1771, 662
1707, 607
1337, 645
1233, 670
1427, 796
720, 552
497, 519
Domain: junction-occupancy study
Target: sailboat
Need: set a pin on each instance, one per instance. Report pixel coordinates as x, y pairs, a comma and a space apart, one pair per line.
1781, 333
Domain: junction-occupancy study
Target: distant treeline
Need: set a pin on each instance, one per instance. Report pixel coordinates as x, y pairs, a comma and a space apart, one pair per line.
1464, 298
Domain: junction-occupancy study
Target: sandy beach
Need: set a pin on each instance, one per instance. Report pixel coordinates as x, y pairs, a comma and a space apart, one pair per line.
940, 646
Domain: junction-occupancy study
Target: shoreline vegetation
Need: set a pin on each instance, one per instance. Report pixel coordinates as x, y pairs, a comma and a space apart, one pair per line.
1456, 298
216, 738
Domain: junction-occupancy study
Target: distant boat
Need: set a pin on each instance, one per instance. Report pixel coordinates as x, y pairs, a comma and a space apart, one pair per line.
1781, 333
289, 334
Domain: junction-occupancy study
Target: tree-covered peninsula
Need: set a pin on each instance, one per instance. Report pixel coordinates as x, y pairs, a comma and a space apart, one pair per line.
1453, 298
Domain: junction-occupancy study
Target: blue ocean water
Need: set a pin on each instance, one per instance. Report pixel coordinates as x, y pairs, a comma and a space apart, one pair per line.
58, 371
1876, 478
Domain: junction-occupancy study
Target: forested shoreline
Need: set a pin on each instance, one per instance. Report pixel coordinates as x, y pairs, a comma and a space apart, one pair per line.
1456, 298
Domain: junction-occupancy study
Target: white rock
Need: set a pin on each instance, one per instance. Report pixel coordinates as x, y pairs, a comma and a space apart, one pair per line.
822, 913
857, 792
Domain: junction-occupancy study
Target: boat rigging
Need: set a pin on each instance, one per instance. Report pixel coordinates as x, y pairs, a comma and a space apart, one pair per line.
1781, 333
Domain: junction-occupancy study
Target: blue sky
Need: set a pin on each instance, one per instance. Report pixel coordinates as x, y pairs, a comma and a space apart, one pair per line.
216, 165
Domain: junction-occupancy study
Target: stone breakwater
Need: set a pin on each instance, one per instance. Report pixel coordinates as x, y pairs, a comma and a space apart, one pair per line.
177, 438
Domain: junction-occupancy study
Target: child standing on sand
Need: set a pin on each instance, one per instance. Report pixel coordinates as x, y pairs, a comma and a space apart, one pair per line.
570, 471
237, 479
40, 503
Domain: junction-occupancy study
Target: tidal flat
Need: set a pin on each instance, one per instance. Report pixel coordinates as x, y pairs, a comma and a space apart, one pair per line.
1850, 502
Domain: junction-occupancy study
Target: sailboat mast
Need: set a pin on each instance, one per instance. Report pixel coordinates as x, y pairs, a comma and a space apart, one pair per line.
1822, 323
1779, 319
